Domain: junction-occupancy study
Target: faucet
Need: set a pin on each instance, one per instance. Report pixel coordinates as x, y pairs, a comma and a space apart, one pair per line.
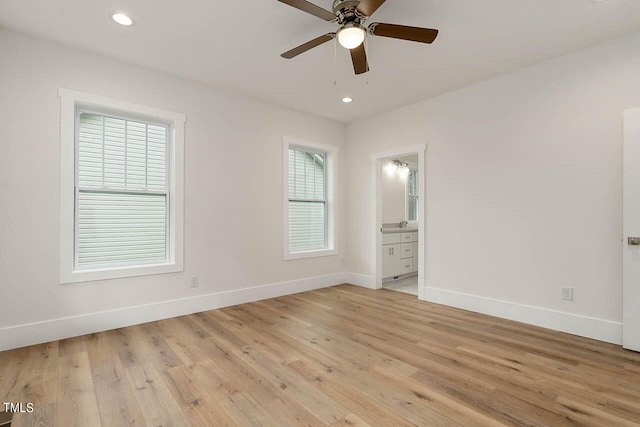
403, 224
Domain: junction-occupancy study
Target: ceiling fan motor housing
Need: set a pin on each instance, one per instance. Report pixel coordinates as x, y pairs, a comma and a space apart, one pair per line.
346, 11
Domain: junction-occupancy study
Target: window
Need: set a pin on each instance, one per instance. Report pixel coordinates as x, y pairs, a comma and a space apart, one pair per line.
308, 194
307, 201
121, 189
122, 198
412, 195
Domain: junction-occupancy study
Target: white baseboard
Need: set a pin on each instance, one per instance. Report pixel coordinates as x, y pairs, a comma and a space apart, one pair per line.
55, 329
590, 327
361, 280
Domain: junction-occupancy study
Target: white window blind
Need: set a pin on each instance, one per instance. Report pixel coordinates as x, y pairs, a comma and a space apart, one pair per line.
307, 200
122, 198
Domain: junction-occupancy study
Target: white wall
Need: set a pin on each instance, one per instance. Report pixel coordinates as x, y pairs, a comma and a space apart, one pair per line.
233, 205
392, 189
523, 183
523, 191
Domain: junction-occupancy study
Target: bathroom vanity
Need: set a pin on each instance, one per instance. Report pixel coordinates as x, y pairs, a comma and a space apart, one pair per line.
399, 252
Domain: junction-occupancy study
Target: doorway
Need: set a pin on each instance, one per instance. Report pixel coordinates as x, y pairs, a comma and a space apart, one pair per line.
399, 184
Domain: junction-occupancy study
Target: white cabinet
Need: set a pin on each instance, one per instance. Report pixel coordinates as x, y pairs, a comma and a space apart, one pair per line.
414, 245
391, 260
406, 259
391, 238
391, 252
406, 265
399, 253
409, 237
406, 250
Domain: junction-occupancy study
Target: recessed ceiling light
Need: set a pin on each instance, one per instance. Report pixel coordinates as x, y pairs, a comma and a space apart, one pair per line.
347, 100
122, 19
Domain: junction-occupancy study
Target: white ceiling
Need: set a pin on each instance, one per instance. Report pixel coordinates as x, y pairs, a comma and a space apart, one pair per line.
236, 45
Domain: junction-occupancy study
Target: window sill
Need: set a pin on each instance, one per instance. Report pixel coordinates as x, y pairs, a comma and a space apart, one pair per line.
76, 276
309, 254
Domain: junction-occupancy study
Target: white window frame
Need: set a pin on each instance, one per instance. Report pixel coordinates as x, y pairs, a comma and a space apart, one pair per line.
331, 169
406, 194
70, 100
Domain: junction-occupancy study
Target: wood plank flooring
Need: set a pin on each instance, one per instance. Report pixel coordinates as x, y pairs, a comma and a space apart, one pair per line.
340, 356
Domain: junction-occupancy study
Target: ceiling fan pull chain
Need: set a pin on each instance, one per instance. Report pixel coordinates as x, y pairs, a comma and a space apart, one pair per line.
366, 47
335, 61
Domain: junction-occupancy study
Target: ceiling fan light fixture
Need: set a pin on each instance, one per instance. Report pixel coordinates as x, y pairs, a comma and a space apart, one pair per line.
351, 35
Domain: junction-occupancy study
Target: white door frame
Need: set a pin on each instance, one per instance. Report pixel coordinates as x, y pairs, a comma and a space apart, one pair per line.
376, 253
630, 228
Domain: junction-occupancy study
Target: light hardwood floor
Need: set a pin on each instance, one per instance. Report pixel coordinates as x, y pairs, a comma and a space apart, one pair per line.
338, 356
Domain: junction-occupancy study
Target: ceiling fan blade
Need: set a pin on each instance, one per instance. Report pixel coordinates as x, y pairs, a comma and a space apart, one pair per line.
403, 32
308, 45
311, 8
367, 7
359, 59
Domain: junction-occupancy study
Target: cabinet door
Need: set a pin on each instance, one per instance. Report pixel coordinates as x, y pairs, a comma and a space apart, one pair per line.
415, 256
390, 260
386, 261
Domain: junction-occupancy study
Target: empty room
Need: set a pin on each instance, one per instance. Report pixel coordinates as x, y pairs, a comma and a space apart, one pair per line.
320, 212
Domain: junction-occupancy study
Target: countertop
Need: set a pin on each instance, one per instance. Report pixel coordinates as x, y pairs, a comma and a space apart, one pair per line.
399, 230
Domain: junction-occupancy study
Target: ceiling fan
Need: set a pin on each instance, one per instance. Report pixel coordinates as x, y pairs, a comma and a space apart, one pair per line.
351, 15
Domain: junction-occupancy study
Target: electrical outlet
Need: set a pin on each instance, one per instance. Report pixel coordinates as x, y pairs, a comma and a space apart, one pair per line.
193, 281
567, 294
